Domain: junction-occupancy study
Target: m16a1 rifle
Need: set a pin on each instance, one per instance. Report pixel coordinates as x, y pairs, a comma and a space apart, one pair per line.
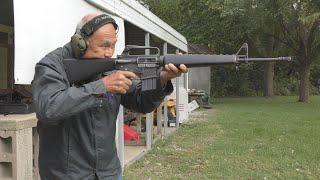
147, 67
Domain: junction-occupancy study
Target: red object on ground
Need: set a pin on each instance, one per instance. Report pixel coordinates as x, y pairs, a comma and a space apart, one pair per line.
130, 134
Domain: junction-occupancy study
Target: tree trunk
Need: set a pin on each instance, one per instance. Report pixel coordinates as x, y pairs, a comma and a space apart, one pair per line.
304, 82
268, 79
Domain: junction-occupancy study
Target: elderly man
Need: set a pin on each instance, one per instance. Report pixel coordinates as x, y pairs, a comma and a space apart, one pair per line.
77, 123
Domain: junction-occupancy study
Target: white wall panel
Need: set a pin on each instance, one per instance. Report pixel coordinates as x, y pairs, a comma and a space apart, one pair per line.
42, 26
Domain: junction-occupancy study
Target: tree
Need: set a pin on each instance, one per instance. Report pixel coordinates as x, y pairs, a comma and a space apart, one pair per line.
261, 30
300, 22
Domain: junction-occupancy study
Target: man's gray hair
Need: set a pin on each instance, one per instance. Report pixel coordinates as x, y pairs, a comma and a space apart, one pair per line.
85, 19
80, 24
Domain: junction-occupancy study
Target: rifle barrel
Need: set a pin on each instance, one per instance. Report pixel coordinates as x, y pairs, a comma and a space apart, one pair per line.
197, 60
265, 59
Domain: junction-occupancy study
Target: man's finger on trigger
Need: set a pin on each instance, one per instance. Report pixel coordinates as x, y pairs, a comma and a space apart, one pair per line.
128, 81
129, 74
121, 90
125, 87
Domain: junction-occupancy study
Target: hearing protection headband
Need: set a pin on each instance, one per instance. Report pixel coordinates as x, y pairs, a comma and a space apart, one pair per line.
97, 22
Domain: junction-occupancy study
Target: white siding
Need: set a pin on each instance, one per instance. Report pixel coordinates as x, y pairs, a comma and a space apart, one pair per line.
42, 26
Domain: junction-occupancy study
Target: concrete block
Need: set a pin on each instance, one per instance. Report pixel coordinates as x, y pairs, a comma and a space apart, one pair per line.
18, 121
6, 171
36, 175
5, 143
5, 147
16, 144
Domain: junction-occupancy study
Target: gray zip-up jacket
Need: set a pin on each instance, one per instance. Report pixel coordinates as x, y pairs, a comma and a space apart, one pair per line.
77, 125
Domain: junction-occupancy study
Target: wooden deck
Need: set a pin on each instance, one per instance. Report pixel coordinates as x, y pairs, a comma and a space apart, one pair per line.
133, 153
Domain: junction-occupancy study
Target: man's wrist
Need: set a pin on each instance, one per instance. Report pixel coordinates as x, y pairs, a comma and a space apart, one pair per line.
104, 81
163, 79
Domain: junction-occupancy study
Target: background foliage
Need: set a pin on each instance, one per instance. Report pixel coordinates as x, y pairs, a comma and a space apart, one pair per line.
271, 27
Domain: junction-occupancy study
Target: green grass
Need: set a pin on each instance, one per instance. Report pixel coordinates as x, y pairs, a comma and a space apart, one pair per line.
245, 138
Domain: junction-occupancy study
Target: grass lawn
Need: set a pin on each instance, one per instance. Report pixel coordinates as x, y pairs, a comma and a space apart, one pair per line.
243, 138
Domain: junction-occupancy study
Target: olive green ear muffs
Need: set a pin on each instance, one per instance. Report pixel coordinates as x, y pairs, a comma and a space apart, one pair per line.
78, 45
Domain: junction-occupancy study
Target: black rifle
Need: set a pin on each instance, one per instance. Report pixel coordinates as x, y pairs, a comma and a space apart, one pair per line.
148, 66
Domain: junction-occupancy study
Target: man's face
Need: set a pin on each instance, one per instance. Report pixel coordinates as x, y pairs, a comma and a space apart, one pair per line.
101, 43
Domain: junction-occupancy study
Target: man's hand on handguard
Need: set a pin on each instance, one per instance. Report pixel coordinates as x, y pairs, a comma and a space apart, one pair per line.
170, 71
118, 82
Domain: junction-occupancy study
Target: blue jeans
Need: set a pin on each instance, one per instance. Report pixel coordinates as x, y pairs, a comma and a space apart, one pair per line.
120, 177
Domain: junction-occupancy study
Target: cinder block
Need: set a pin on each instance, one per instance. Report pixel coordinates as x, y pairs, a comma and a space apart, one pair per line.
16, 144
16, 153
6, 171
6, 151
5, 144
36, 175
23, 154
6, 147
